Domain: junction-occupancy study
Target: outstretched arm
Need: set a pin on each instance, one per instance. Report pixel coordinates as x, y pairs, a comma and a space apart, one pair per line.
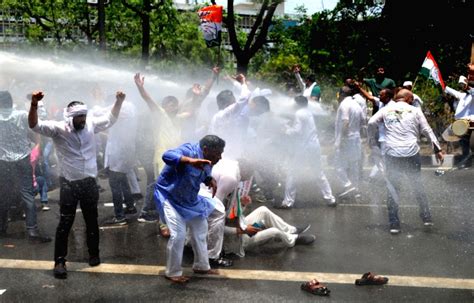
301, 84
140, 83
120, 97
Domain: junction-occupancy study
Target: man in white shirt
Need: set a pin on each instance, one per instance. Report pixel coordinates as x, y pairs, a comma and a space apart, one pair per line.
251, 231
309, 87
349, 120
15, 167
306, 154
403, 124
74, 139
464, 110
417, 102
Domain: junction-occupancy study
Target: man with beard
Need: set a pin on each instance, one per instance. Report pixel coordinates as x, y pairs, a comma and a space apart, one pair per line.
379, 82
74, 140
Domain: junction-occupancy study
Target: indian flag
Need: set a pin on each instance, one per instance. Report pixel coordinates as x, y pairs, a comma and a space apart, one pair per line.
430, 69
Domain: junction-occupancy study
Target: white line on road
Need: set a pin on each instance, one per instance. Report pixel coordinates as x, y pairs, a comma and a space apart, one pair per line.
243, 274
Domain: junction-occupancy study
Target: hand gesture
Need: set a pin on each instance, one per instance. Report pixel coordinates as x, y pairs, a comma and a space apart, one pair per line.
35, 97
216, 70
240, 78
296, 68
120, 96
139, 81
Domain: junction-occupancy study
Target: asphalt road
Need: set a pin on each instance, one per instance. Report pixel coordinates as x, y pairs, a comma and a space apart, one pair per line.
423, 264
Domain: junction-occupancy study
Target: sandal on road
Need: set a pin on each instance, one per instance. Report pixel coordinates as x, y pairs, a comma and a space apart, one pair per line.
371, 279
315, 288
211, 271
178, 279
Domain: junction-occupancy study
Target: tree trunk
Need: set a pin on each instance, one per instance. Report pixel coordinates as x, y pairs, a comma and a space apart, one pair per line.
242, 65
101, 21
146, 32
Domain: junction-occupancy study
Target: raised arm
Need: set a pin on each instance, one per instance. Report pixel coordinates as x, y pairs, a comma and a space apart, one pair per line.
301, 84
33, 114
210, 82
119, 98
140, 83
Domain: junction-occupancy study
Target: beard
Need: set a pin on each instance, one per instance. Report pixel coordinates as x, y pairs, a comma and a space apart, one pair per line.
79, 126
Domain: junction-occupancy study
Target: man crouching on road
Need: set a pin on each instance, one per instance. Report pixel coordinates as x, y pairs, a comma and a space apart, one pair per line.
176, 195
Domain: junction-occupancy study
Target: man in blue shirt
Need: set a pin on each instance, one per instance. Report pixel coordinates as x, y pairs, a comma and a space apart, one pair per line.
176, 195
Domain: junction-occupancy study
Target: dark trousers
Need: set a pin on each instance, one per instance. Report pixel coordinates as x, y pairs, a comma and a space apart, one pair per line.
121, 192
85, 192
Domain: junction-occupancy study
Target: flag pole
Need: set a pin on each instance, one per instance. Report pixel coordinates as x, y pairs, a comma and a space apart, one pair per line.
414, 82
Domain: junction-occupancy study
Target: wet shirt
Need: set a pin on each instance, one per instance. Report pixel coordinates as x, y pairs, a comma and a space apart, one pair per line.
303, 128
14, 142
349, 111
179, 183
76, 149
465, 107
403, 125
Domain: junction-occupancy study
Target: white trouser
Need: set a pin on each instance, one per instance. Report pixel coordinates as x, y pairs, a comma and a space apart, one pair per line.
174, 250
216, 225
290, 188
133, 181
275, 227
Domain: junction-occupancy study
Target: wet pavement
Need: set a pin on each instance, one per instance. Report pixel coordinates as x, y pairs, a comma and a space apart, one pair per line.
426, 264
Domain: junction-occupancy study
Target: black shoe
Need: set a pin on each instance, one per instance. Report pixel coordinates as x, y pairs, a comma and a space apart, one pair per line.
94, 260
137, 196
130, 210
220, 262
302, 229
60, 271
305, 239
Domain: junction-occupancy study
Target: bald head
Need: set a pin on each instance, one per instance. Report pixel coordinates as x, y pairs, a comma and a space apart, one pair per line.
404, 95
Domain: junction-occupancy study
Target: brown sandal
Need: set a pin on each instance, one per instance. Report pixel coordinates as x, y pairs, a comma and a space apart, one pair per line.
315, 288
211, 271
371, 279
178, 279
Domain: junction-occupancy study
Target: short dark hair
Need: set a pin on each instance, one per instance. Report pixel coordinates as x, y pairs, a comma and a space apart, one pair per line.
224, 99
73, 103
346, 91
169, 100
262, 104
389, 92
301, 100
212, 142
311, 78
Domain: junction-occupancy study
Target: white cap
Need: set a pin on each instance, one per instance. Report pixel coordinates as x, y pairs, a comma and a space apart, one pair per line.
462, 79
407, 83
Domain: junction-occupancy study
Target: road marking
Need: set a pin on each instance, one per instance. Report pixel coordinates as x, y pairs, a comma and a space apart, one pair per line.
243, 274
400, 206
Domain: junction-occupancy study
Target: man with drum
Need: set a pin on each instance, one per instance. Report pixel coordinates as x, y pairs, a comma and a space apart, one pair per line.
464, 116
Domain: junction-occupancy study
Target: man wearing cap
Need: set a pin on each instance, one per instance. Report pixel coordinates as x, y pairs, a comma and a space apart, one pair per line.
74, 140
464, 110
417, 102
15, 150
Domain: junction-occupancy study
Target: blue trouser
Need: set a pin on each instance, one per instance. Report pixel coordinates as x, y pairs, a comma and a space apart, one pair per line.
410, 167
13, 175
47, 150
120, 192
42, 188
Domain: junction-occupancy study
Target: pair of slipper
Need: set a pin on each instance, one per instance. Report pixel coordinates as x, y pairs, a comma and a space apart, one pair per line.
185, 279
316, 288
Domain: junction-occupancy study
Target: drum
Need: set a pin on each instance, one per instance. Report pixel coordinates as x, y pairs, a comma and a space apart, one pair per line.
461, 127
